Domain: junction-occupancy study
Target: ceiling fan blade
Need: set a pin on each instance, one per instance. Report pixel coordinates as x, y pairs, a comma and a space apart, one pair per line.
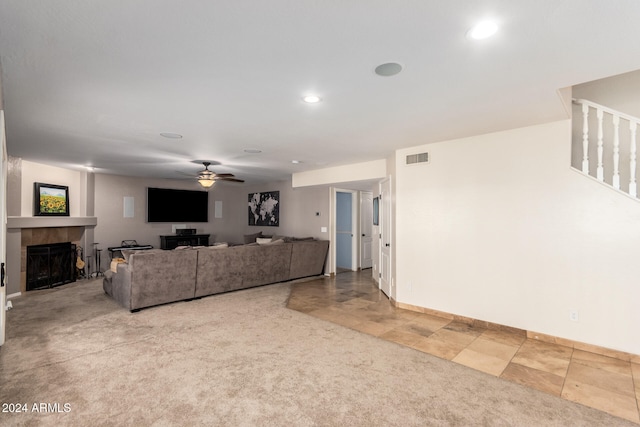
229, 179
225, 175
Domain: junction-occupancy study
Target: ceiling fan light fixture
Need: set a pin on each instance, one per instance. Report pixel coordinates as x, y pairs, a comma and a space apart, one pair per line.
207, 178
206, 182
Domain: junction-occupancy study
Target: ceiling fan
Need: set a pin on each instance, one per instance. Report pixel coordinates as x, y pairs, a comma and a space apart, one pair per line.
207, 178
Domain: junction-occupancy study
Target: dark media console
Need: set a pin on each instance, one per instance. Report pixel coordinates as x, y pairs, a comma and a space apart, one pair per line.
186, 231
173, 241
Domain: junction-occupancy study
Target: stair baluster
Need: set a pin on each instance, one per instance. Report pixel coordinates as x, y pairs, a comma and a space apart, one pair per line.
616, 152
633, 126
615, 142
600, 169
585, 138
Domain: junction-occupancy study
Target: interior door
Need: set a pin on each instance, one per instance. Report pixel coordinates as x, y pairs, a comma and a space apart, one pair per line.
344, 231
366, 227
3, 227
385, 237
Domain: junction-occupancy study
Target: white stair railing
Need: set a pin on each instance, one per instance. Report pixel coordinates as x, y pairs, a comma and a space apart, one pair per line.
612, 142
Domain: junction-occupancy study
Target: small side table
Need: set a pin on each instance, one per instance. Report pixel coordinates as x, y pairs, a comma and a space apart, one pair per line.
96, 252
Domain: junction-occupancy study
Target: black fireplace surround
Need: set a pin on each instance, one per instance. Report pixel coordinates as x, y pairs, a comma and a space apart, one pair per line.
50, 265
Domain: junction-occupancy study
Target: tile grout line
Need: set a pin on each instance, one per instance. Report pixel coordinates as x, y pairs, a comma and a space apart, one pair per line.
512, 357
566, 374
634, 381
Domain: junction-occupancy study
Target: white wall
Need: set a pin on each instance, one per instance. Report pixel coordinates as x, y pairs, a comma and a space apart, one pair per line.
499, 228
38, 172
617, 92
298, 209
364, 171
113, 227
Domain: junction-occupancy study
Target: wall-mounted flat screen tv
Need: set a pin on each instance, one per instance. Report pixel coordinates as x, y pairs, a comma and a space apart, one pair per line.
167, 205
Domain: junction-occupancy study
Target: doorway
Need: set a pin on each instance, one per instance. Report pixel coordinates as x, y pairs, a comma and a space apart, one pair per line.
366, 229
3, 226
344, 231
385, 237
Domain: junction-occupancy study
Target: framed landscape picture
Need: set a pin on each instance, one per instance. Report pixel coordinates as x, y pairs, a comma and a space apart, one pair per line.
50, 199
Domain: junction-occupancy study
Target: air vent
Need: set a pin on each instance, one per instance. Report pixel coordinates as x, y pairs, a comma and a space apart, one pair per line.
413, 159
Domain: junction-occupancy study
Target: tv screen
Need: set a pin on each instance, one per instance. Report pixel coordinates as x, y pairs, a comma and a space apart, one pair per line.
166, 205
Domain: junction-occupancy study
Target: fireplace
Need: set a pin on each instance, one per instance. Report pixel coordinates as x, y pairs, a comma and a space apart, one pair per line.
50, 265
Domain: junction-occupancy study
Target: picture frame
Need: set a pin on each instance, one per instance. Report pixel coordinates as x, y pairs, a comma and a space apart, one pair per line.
50, 199
376, 209
264, 209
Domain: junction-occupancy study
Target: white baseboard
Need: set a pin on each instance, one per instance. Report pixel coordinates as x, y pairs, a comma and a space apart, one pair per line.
17, 294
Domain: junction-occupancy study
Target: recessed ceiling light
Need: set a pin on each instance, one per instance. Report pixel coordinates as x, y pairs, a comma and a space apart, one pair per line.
295, 162
171, 135
311, 99
482, 30
389, 69
252, 150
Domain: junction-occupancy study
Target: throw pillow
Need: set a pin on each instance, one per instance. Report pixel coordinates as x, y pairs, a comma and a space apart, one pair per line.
218, 246
251, 238
114, 264
263, 240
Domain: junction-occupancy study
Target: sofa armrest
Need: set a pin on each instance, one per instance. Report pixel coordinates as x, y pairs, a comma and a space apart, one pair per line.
161, 277
308, 258
121, 285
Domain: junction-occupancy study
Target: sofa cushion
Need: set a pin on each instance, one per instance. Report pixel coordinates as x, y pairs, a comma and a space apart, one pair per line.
219, 270
274, 242
263, 264
126, 253
161, 277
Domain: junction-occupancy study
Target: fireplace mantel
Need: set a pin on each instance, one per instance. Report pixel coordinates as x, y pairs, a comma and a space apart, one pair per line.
19, 222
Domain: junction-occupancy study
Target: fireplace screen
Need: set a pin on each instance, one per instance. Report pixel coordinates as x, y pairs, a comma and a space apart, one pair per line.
50, 265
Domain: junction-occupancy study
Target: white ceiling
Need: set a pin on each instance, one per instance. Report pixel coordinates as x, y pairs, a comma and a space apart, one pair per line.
96, 82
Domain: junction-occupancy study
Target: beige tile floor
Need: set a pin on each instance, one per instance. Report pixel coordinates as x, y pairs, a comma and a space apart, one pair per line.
353, 300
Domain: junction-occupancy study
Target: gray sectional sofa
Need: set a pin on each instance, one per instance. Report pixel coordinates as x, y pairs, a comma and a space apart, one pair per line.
157, 277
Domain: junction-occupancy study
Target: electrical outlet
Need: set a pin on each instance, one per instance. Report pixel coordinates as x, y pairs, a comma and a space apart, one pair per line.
574, 316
